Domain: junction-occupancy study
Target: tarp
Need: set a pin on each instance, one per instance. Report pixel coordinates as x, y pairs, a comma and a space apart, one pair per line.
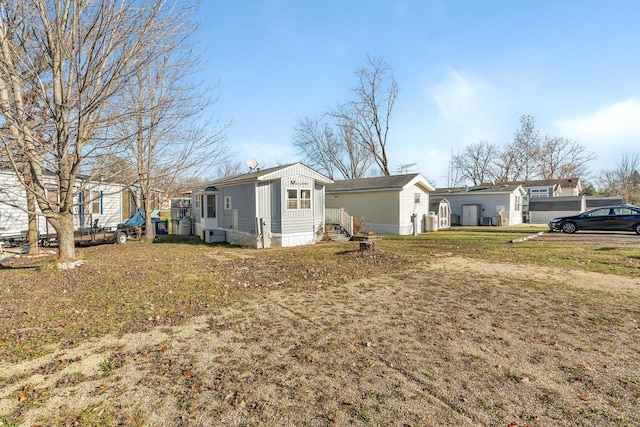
137, 220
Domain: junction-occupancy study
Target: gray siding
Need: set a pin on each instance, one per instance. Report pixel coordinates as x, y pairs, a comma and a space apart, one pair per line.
243, 201
297, 220
270, 204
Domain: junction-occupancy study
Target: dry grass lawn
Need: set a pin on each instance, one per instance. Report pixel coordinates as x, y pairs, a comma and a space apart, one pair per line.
194, 335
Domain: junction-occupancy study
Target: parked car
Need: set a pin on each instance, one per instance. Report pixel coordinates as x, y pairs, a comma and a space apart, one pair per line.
606, 218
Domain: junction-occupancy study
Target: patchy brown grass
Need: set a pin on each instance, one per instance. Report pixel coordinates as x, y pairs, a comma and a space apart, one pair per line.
452, 328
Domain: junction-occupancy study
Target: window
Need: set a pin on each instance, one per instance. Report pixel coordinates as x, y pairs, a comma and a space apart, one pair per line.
211, 205
197, 200
517, 203
292, 199
227, 202
416, 197
600, 212
96, 202
305, 199
539, 192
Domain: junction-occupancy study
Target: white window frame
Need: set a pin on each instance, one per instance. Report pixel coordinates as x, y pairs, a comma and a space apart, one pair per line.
416, 198
209, 197
295, 205
227, 203
305, 202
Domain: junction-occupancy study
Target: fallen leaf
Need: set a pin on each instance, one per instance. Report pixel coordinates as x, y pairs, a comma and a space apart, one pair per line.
584, 398
186, 373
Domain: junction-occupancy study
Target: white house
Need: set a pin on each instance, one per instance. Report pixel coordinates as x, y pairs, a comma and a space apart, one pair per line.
397, 204
280, 206
107, 203
485, 204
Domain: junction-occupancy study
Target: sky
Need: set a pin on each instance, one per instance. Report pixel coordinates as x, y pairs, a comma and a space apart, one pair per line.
467, 71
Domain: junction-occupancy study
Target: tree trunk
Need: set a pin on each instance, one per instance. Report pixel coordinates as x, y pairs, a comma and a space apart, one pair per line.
32, 235
66, 241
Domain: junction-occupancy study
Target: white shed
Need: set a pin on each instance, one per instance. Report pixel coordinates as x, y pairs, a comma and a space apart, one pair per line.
397, 204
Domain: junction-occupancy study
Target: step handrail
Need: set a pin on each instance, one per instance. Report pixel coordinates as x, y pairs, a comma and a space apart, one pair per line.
341, 217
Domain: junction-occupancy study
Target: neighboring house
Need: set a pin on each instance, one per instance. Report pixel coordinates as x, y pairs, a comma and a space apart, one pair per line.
442, 209
538, 188
543, 210
484, 204
107, 203
549, 187
280, 206
397, 204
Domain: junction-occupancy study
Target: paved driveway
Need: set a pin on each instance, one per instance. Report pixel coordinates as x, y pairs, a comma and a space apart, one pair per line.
595, 237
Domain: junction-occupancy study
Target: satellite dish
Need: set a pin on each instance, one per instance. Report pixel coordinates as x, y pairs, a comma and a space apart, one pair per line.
251, 164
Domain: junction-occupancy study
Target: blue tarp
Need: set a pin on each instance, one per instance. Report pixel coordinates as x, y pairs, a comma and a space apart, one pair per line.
137, 220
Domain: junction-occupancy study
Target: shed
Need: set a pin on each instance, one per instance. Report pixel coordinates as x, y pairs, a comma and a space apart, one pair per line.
396, 204
490, 204
544, 209
442, 209
279, 206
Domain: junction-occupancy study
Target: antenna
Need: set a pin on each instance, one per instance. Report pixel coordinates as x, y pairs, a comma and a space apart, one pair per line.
251, 164
403, 169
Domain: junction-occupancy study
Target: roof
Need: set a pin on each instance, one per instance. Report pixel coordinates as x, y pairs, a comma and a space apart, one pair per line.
480, 189
562, 182
597, 201
379, 183
263, 175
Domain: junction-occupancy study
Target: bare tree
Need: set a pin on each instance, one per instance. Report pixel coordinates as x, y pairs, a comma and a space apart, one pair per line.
529, 156
367, 116
330, 149
477, 162
81, 54
163, 124
624, 180
562, 158
524, 152
454, 175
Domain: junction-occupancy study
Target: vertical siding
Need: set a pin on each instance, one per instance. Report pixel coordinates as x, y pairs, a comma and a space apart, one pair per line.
297, 220
318, 207
243, 200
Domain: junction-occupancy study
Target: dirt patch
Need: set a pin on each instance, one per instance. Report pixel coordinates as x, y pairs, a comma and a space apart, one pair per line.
452, 342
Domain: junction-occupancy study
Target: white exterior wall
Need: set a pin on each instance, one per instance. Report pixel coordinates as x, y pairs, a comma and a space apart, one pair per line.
14, 221
489, 205
543, 217
408, 208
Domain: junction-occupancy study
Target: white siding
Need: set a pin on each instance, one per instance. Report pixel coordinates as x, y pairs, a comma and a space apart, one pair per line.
409, 207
